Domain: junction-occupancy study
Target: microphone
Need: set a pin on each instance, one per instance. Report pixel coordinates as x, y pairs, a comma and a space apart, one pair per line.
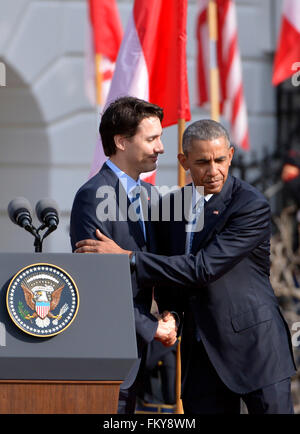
47, 213
19, 211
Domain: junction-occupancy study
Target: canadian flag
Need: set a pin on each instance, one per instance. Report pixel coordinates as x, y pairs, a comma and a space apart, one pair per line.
232, 101
151, 63
288, 48
104, 39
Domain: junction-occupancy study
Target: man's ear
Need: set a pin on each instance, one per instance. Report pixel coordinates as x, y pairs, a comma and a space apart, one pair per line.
231, 153
120, 142
182, 158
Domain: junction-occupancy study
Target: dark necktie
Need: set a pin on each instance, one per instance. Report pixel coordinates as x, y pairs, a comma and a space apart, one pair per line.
135, 199
198, 210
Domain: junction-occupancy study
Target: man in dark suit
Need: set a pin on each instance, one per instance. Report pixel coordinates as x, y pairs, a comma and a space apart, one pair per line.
131, 136
235, 343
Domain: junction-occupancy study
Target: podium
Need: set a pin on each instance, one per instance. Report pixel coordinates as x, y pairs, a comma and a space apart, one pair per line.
78, 370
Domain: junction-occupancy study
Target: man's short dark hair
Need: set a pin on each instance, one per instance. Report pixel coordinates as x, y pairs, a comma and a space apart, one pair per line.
123, 117
204, 129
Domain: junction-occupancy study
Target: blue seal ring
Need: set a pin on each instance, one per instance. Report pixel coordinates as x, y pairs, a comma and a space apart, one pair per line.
42, 300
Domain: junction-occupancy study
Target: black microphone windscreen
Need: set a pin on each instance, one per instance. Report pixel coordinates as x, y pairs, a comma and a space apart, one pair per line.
44, 206
16, 206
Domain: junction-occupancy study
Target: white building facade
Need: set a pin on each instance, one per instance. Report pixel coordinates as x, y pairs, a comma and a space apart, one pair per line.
48, 127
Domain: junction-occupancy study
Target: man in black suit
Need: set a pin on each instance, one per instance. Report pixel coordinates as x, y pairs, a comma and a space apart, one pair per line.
131, 136
235, 343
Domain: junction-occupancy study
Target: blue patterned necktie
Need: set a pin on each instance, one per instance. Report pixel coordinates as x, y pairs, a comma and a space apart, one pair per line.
198, 210
192, 234
134, 197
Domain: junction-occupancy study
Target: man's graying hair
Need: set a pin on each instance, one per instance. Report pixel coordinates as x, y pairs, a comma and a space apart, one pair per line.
205, 129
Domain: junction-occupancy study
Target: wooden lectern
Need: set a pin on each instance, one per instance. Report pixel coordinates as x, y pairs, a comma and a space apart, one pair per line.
58, 397
80, 369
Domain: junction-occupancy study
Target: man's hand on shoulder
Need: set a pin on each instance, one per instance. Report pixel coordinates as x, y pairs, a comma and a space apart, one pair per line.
102, 245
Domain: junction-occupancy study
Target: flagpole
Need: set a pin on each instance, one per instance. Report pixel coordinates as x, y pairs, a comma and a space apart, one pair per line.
181, 178
179, 406
98, 74
181, 171
181, 183
214, 72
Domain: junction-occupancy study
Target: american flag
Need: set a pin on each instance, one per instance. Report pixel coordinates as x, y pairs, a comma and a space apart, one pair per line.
232, 101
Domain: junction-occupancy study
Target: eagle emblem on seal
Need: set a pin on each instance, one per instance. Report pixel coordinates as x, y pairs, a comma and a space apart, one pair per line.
42, 296
42, 299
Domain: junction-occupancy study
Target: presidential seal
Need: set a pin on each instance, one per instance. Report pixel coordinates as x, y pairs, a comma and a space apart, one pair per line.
42, 300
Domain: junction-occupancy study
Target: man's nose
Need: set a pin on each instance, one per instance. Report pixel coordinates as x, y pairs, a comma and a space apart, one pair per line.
212, 169
159, 147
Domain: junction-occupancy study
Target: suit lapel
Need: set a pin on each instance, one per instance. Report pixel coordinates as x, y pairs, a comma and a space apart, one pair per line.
123, 203
179, 237
137, 225
146, 204
213, 210
178, 228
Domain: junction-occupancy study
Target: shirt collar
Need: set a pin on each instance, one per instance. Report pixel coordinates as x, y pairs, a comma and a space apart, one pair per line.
198, 196
126, 180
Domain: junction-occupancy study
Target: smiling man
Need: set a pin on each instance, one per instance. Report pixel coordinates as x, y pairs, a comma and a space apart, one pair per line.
235, 342
131, 132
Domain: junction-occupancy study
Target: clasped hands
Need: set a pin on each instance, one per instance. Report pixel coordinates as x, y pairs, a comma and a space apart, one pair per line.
166, 331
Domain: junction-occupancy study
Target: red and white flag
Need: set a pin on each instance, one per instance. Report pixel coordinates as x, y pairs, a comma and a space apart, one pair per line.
105, 36
288, 48
151, 64
232, 101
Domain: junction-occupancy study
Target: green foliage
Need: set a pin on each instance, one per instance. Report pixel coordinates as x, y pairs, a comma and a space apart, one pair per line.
22, 311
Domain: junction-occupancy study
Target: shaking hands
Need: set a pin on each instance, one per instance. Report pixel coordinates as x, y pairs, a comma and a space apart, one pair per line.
166, 331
